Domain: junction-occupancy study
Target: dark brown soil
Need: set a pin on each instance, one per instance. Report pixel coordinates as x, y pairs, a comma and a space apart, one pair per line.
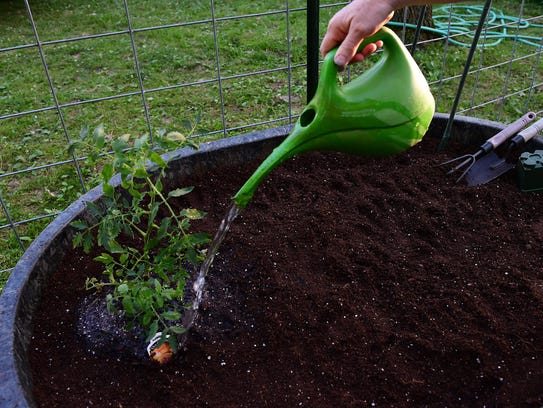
346, 282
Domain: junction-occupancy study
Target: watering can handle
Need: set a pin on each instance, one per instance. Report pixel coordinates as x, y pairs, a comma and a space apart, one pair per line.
391, 47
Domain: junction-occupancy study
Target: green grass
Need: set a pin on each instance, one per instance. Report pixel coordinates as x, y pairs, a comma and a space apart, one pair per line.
103, 68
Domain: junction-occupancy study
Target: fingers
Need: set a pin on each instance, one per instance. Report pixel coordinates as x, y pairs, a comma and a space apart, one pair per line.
348, 49
331, 40
364, 53
371, 48
349, 26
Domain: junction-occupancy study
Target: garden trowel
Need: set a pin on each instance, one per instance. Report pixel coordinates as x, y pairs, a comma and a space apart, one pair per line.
384, 111
492, 166
477, 162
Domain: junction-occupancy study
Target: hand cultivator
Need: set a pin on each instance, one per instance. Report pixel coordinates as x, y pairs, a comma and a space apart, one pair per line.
491, 166
468, 161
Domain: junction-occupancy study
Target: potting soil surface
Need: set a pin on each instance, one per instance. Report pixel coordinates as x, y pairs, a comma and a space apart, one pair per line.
346, 282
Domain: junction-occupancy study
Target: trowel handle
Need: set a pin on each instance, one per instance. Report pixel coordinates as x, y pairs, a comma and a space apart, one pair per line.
509, 131
530, 132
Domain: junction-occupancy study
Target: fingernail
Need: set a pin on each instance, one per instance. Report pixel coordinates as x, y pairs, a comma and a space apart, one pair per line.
340, 60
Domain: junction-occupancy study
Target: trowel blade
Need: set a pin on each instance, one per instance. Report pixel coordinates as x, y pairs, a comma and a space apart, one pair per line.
486, 169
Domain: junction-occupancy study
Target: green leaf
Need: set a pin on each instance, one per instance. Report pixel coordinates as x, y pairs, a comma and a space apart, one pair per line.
152, 243
104, 258
164, 226
77, 240
114, 247
128, 306
123, 258
140, 172
153, 329
187, 124
147, 317
176, 136
134, 193
122, 288
87, 243
177, 329
193, 214
99, 136
127, 230
153, 213
141, 142
138, 303
158, 286
107, 172
103, 236
84, 132
119, 145
80, 225
178, 192
108, 189
146, 293
159, 302
158, 185
169, 293
171, 315
73, 146
94, 209
157, 159
172, 341
200, 238
162, 275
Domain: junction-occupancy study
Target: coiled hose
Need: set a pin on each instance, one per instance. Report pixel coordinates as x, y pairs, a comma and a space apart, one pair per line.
457, 20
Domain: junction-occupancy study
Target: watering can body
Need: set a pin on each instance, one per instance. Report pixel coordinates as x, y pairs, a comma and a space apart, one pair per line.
384, 111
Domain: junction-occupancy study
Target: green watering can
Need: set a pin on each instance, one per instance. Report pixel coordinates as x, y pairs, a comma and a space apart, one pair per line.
384, 111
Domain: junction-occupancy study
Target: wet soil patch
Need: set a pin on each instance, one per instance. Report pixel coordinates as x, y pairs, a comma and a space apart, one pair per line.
346, 282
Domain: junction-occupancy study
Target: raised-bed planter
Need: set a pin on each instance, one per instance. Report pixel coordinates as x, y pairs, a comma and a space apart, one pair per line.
313, 385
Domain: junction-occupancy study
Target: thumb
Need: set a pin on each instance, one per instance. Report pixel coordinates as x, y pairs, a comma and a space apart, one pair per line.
329, 41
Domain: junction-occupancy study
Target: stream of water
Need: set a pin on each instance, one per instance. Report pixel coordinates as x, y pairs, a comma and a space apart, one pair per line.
198, 287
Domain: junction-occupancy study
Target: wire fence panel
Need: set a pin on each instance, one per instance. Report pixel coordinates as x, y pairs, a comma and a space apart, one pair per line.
234, 66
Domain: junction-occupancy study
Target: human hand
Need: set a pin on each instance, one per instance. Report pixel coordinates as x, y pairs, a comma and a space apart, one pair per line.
349, 26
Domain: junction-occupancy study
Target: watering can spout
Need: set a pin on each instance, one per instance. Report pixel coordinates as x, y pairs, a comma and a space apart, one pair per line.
384, 111
287, 149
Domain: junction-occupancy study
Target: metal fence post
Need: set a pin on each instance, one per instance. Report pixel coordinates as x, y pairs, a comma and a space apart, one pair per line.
312, 47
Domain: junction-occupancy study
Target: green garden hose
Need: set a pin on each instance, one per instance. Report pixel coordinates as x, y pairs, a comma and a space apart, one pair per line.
456, 20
